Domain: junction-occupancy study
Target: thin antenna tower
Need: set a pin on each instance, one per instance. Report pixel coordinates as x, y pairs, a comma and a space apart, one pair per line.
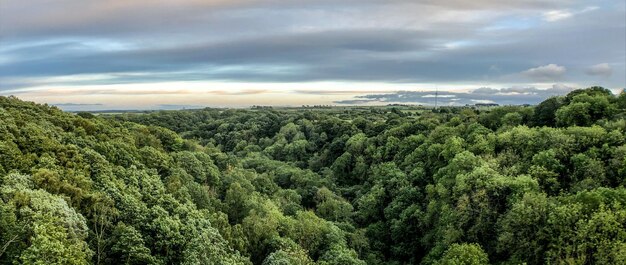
436, 95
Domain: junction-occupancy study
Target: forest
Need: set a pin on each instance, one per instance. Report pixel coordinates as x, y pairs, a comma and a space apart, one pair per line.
540, 184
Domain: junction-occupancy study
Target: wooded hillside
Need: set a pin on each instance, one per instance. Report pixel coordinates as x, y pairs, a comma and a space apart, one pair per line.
454, 185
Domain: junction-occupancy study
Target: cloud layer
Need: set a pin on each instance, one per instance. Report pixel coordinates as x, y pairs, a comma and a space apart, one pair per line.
484, 42
505, 96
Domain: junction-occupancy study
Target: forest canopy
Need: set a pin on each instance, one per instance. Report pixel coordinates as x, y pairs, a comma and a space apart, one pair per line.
329, 186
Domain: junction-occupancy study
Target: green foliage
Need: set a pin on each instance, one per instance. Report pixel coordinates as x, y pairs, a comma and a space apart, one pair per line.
55, 231
288, 257
583, 107
464, 254
375, 185
621, 100
545, 112
128, 246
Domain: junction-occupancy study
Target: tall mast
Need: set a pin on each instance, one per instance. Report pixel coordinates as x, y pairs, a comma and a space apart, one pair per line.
436, 95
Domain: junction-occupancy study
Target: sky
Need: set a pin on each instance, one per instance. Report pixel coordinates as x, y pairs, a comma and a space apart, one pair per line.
157, 54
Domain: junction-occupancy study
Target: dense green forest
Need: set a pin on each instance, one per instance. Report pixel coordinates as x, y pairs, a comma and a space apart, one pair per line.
455, 185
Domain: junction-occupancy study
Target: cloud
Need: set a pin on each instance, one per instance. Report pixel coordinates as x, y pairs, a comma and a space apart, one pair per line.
71, 106
115, 17
75, 104
603, 69
506, 96
555, 15
178, 106
589, 8
337, 92
138, 92
549, 72
400, 41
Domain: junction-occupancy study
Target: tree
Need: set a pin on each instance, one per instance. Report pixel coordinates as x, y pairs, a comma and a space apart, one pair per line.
340, 256
512, 119
575, 114
521, 237
57, 232
621, 99
464, 254
545, 112
51, 245
295, 256
129, 246
332, 207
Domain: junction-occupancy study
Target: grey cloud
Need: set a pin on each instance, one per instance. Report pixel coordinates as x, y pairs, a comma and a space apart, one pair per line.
495, 4
178, 106
126, 92
558, 43
111, 16
78, 106
603, 69
337, 92
556, 15
141, 20
549, 72
75, 104
313, 56
505, 96
296, 41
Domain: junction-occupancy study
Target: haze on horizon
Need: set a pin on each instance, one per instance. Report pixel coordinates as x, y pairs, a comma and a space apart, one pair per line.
116, 54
